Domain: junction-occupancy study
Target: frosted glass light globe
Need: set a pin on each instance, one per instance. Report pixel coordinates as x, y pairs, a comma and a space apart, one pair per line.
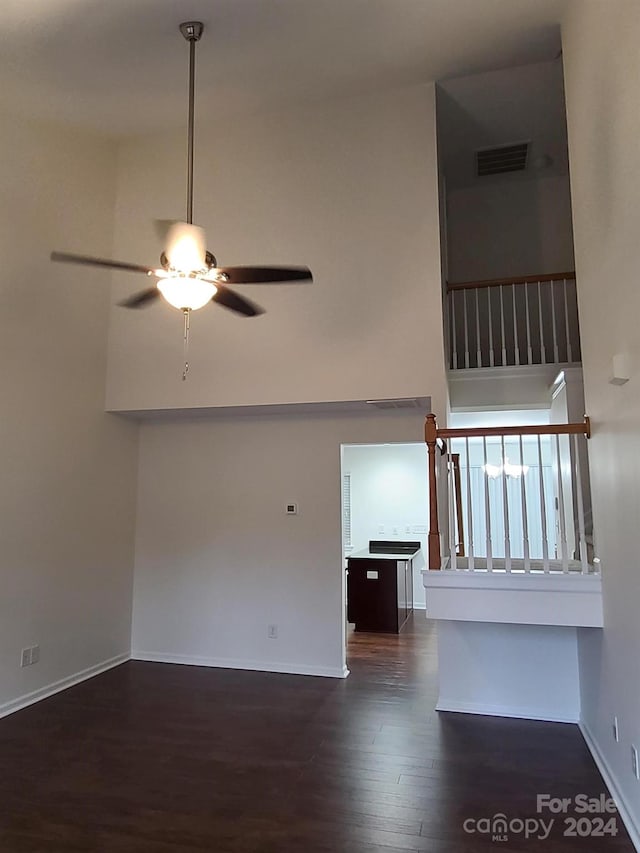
186, 293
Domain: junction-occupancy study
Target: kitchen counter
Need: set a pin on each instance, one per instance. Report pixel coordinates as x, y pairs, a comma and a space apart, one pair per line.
380, 586
368, 554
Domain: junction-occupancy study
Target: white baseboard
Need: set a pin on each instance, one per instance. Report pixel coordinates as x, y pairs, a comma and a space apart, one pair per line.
57, 686
231, 663
612, 785
548, 716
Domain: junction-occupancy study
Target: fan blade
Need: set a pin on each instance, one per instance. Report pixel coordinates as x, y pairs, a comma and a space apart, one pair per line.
264, 275
86, 261
141, 299
230, 299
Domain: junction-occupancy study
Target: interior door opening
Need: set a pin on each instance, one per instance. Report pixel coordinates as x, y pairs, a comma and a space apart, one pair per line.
385, 499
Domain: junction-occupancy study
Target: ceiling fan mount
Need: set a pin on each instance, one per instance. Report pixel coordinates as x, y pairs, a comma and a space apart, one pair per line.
192, 30
209, 260
189, 276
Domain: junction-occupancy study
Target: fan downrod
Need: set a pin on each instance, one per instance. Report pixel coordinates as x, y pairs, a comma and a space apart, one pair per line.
192, 30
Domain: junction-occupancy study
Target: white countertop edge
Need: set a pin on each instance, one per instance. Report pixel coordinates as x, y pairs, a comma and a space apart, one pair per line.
385, 555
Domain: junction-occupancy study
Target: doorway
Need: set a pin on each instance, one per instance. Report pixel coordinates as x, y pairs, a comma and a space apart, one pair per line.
385, 496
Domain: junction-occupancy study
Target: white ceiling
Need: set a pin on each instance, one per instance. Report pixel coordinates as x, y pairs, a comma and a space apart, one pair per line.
119, 66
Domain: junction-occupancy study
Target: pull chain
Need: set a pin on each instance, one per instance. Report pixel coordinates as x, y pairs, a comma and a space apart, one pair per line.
187, 319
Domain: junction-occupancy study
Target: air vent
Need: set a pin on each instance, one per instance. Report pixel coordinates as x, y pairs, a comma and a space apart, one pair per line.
504, 158
405, 403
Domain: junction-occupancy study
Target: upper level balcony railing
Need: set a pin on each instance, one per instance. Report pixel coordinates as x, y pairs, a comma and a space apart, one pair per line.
513, 321
510, 499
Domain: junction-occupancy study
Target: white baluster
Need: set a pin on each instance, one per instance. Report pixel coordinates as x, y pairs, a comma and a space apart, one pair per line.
453, 551
487, 510
491, 349
543, 351
515, 324
556, 357
525, 518
504, 346
575, 346
566, 322
543, 509
478, 345
564, 552
526, 305
469, 509
466, 328
454, 331
582, 539
505, 510
596, 567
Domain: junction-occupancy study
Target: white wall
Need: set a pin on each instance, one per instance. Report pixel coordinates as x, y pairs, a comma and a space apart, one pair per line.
508, 388
528, 671
510, 227
217, 558
390, 489
348, 187
67, 491
513, 417
602, 66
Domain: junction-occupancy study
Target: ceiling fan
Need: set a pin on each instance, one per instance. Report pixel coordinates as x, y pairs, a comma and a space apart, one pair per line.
189, 277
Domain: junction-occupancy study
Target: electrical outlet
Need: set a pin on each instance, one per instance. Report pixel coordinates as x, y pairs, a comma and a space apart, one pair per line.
616, 730
635, 766
272, 632
25, 657
35, 654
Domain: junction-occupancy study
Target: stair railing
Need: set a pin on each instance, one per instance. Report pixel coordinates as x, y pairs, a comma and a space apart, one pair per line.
510, 499
513, 321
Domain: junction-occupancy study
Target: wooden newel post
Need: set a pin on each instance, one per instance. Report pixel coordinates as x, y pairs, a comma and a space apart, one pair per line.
431, 437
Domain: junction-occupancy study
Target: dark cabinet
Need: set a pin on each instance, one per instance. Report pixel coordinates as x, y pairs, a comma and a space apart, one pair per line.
380, 586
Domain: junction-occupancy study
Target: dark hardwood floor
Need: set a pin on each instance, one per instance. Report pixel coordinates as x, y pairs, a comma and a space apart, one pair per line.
156, 758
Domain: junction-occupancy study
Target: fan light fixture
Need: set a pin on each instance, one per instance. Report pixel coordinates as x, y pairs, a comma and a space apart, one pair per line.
183, 285
186, 293
189, 277
186, 248
507, 468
